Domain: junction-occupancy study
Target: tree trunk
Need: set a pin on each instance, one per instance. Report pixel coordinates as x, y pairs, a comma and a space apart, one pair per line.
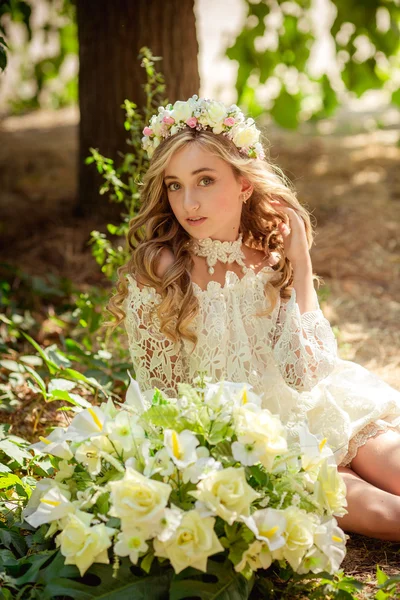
110, 37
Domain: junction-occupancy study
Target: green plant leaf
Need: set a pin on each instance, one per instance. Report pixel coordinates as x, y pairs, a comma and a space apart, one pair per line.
380, 575
36, 562
50, 364
9, 480
228, 584
14, 451
12, 540
100, 583
162, 416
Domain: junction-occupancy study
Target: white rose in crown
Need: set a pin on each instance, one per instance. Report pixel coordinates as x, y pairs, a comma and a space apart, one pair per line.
216, 112
156, 124
182, 111
244, 136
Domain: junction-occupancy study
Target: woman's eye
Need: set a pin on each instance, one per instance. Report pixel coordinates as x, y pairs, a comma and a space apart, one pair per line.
208, 181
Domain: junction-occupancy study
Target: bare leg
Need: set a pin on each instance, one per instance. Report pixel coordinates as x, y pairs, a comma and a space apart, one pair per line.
378, 461
371, 511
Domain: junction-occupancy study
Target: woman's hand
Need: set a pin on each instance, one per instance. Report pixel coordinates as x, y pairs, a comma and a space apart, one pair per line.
294, 235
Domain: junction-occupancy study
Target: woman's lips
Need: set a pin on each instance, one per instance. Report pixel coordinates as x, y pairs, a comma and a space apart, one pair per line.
197, 222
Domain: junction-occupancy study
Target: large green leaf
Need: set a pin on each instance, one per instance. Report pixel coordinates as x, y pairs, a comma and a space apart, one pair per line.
220, 583
14, 451
99, 583
12, 540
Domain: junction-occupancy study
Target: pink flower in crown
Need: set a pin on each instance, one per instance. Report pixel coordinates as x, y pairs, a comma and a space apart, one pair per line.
147, 131
229, 121
168, 120
192, 122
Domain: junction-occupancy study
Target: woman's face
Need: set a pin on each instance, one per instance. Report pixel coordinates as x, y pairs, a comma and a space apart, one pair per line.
200, 184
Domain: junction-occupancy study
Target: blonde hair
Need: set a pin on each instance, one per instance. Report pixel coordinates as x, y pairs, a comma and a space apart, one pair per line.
155, 227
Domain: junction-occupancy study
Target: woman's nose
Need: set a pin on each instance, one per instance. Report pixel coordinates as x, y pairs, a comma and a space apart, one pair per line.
189, 201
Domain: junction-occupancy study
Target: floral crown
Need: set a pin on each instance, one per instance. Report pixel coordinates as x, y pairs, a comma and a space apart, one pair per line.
202, 113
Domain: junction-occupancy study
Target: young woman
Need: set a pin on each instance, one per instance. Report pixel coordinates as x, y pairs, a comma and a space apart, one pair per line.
220, 281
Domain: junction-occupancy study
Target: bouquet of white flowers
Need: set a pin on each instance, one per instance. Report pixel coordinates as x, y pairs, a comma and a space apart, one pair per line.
183, 479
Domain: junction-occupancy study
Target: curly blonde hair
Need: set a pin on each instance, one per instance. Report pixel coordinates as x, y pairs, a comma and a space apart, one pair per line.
155, 227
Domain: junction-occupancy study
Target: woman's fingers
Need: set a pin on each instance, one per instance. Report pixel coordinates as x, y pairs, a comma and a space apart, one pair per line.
284, 229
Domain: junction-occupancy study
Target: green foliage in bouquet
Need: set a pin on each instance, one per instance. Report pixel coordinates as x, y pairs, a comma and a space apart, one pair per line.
122, 182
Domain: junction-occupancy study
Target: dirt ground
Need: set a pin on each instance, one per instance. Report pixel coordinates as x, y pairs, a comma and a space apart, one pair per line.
351, 184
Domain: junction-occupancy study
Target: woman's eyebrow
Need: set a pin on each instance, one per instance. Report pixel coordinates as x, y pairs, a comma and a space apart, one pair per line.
193, 173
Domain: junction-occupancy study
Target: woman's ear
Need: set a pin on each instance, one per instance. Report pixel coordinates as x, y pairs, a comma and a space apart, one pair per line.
246, 188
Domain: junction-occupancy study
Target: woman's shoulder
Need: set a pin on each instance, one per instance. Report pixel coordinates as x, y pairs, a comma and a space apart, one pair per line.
165, 259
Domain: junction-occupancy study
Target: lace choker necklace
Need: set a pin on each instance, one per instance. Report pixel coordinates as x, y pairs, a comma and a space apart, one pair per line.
215, 250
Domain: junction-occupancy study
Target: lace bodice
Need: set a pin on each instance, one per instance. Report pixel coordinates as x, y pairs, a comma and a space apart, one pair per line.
285, 348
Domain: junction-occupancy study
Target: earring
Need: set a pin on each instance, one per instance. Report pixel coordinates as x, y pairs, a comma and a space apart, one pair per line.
245, 197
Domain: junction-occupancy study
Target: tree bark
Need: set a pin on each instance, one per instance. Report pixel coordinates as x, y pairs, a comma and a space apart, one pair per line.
110, 37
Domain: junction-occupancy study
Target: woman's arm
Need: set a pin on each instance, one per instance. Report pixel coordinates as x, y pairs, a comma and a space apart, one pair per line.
303, 284
304, 346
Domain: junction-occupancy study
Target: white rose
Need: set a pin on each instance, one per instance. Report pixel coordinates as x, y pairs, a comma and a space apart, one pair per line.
226, 493
244, 136
83, 545
261, 430
156, 124
299, 535
182, 111
216, 112
139, 500
218, 129
192, 543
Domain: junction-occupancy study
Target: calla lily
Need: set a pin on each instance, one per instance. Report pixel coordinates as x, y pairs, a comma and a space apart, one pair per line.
181, 447
134, 397
53, 505
268, 525
86, 424
54, 444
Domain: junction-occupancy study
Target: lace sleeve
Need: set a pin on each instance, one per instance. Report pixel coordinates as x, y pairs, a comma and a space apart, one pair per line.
157, 360
304, 345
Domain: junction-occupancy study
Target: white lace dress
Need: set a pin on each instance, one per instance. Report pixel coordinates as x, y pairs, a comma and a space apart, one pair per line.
289, 358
